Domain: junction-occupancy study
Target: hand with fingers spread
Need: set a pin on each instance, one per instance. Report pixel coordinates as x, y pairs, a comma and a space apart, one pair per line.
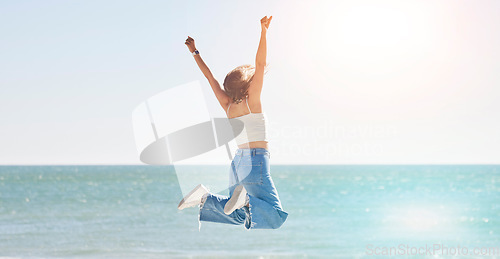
264, 22
190, 44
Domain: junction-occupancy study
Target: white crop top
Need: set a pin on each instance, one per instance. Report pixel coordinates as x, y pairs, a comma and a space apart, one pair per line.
254, 126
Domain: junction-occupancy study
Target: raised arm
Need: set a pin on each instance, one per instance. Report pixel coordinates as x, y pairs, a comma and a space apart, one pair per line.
222, 97
255, 87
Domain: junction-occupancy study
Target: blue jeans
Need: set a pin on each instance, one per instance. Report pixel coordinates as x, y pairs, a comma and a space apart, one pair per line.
250, 167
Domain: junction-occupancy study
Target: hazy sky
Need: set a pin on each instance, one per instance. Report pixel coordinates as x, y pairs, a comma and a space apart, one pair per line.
350, 82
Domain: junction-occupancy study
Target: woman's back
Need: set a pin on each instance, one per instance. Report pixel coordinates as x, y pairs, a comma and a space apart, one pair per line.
253, 132
234, 110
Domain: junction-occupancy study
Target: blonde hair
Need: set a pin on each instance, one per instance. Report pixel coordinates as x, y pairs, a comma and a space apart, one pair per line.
237, 82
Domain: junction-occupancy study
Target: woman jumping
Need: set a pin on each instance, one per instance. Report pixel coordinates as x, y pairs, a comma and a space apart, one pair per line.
253, 198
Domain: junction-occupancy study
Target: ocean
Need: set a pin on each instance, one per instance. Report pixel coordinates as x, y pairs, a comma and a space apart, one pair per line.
334, 211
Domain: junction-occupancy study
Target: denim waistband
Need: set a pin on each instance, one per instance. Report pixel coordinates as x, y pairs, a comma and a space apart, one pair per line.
252, 151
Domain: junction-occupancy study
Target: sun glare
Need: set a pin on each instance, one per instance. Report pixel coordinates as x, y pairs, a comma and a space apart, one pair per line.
375, 49
372, 25
420, 219
374, 31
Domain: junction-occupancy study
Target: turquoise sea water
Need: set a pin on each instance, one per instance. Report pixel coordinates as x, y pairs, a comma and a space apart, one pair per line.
341, 210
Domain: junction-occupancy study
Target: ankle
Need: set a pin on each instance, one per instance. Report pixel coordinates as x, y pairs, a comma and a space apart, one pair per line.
247, 202
204, 198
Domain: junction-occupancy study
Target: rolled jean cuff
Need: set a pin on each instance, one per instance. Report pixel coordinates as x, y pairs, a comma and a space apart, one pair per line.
261, 214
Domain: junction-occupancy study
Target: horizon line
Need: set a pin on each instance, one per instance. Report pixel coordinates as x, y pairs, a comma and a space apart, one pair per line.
281, 164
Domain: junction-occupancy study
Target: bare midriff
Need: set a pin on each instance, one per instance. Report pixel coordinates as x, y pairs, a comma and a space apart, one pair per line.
254, 144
